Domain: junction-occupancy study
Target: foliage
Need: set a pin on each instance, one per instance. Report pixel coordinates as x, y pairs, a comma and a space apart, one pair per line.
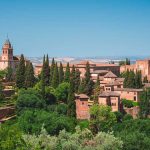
1, 92
61, 73
52, 69
29, 98
127, 103
145, 103
124, 62
2, 74
102, 118
145, 80
77, 80
127, 117
20, 74
67, 74
96, 90
134, 131
11, 138
84, 140
55, 79
9, 74
62, 91
31, 122
29, 76
83, 124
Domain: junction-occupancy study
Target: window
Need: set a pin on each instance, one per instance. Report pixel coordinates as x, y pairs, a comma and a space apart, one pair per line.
113, 104
82, 103
134, 98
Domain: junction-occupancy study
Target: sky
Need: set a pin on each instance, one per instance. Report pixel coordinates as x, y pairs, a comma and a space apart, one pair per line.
76, 28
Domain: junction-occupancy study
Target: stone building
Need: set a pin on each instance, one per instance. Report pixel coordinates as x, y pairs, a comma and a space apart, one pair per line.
95, 68
7, 59
142, 65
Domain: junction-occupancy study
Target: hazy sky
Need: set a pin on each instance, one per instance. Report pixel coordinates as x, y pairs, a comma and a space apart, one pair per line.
76, 27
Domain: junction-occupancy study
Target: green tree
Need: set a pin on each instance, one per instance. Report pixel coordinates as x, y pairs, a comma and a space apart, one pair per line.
1, 92
77, 80
131, 80
31, 121
52, 70
62, 91
61, 73
29, 76
55, 80
11, 138
96, 90
67, 73
145, 80
45, 74
126, 76
9, 74
102, 118
71, 100
138, 80
81, 139
29, 98
82, 86
145, 103
20, 74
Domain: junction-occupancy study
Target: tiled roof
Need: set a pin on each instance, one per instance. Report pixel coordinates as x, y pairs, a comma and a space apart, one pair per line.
82, 96
108, 94
110, 75
129, 89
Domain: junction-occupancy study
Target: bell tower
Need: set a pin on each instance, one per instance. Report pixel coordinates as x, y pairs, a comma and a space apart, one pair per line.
7, 51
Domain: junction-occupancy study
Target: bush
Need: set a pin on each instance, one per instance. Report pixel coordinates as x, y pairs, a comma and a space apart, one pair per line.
31, 122
127, 103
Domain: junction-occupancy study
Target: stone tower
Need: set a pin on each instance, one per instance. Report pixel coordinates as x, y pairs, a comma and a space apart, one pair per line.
7, 51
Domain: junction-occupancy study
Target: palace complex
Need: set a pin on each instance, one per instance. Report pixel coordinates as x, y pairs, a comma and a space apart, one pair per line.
112, 91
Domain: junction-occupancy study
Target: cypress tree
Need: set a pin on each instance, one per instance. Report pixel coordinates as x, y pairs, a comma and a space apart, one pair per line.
88, 82
87, 73
67, 73
72, 75
126, 75
47, 71
96, 90
145, 80
55, 79
71, 101
82, 86
138, 80
131, 80
10, 74
77, 80
52, 69
20, 74
61, 73
1, 92
29, 76
43, 78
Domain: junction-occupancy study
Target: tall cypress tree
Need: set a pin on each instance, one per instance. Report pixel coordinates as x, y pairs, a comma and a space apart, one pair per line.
89, 84
20, 74
126, 75
71, 101
29, 76
77, 80
67, 73
52, 69
43, 78
131, 80
47, 71
1, 92
87, 73
55, 79
61, 73
138, 80
145, 80
96, 90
